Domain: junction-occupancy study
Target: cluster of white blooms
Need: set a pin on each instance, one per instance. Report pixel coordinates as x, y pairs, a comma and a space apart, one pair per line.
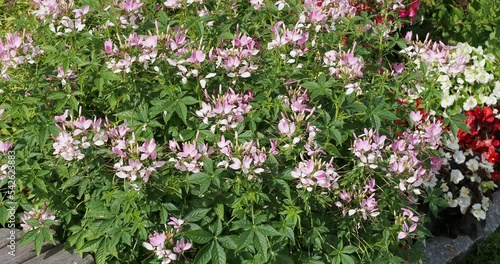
467, 171
464, 73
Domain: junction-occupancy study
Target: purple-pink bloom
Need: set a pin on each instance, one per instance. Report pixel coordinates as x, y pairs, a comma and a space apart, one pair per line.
176, 222
182, 246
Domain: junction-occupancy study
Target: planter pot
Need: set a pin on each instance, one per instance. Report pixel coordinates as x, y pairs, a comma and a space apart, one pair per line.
440, 250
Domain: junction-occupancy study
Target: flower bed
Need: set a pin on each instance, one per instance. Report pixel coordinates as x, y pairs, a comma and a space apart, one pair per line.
242, 131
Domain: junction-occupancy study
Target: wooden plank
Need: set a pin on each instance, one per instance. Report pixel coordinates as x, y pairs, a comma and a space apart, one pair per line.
60, 255
50, 254
5, 236
22, 254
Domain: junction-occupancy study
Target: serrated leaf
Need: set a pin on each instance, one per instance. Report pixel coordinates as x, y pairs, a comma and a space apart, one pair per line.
268, 230
196, 215
181, 111
285, 188
261, 243
310, 85
228, 242
227, 35
38, 243
346, 259
28, 237
208, 165
219, 211
385, 114
100, 255
349, 249
92, 245
204, 255
198, 177
336, 135
71, 181
189, 100
40, 184
245, 238
111, 76
199, 236
218, 254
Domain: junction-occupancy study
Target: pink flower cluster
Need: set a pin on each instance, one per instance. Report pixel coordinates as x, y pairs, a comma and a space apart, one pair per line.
343, 64
145, 47
236, 60
52, 9
58, 14
314, 172
290, 123
16, 50
407, 156
359, 201
408, 222
135, 160
64, 76
190, 156
283, 37
368, 148
245, 157
175, 4
228, 109
40, 215
435, 55
163, 244
324, 12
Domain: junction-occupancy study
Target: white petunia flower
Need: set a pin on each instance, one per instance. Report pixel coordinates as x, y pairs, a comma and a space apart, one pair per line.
470, 103
478, 212
456, 176
472, 165
459, 157
447, 100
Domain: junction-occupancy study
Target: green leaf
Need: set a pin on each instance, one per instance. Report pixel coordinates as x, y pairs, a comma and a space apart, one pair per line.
198, 177
336, 135
227, 35
199, 236
349, 249
181, 111
189, 100
38, 243
218, 254
228, 242
385, 114
196, 215
92, 245
40, 184
100, 255
208, 165
71, 181
245, 238
109, 75
261, 243
47, 235
346, 259
28, 237
204, 255
219, 211
310, 86
218, 227
268, 230
4, 215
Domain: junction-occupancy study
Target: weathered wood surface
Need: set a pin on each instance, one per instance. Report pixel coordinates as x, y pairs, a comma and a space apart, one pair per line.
11, 253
